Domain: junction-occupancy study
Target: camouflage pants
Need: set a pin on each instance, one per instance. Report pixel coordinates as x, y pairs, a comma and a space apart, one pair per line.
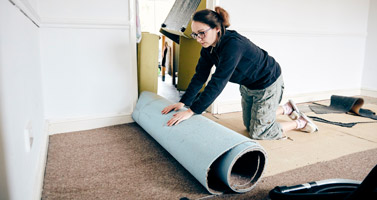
259, 110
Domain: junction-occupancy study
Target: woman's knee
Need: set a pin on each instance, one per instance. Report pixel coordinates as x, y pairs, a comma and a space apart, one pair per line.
265, 132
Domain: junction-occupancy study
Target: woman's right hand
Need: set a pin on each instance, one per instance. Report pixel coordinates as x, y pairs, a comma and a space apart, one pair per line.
174, 107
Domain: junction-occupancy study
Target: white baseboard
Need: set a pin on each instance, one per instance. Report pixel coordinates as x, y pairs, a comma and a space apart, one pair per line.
317, 96
86, 123
41, 165
226, 106
369, 92
235, 105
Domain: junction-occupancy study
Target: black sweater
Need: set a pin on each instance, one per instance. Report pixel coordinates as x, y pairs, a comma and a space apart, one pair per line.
237, 60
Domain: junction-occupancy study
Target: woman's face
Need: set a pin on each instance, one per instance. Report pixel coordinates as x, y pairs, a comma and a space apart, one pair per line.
205, 35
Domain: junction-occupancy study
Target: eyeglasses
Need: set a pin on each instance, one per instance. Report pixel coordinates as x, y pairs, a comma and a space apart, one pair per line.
200, 35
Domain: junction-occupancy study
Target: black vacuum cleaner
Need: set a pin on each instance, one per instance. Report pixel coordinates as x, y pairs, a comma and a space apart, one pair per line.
330, 189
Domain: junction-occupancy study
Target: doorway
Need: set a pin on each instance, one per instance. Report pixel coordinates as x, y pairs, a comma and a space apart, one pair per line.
152, 14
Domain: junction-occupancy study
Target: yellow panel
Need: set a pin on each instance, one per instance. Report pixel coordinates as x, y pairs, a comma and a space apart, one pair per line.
189, 53
147, 62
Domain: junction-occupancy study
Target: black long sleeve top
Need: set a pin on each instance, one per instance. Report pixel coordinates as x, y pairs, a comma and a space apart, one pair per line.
237, 60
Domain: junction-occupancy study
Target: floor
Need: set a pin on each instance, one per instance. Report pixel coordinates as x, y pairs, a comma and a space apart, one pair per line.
301, 149
167, 90
126, 162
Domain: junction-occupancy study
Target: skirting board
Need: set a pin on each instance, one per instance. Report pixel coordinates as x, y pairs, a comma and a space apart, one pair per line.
369, 92
225, 107
41, 165
235, 105
87, 123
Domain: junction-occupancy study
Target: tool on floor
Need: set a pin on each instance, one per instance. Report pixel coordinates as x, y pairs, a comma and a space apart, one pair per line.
347, 125
330, 189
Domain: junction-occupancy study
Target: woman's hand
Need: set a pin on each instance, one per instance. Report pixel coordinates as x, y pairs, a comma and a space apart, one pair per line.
177, 117
174, 107
180, 116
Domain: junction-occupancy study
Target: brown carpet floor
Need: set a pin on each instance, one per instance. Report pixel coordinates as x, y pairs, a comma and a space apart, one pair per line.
124, 162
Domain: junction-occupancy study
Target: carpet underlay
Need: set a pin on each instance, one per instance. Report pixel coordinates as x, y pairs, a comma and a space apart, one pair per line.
124, 162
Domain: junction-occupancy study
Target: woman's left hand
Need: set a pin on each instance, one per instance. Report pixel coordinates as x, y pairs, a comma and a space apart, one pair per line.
180, 116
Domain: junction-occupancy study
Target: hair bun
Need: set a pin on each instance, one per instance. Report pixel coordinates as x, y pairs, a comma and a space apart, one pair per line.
224, 16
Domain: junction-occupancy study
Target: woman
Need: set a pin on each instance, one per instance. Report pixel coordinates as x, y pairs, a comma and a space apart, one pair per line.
240, 61
163, 63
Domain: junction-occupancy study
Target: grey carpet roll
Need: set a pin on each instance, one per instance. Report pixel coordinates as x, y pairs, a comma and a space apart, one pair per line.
343, 104
219, 158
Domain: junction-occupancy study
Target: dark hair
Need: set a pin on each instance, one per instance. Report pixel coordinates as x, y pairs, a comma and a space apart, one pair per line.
218, 18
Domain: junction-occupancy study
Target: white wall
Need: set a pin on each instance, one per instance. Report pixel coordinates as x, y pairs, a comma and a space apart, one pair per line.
85, 72
76, 71
369, 80
85, 53
21, 105
84, 11
320, 45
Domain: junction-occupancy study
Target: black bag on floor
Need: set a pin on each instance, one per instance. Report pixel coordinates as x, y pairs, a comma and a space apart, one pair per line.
331, 189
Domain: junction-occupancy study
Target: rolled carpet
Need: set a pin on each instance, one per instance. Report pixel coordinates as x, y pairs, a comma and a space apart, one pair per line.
220, 159
343, 104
